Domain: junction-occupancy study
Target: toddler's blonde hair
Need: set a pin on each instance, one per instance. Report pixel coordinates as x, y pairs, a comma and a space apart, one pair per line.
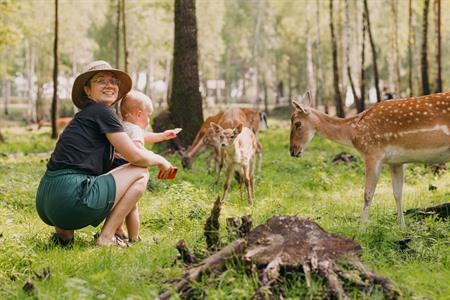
134, 101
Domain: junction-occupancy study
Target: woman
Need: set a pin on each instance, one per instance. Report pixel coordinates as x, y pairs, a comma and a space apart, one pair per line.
79, 188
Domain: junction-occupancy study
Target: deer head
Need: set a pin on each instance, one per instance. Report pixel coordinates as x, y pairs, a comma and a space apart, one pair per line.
302, 129
225, 137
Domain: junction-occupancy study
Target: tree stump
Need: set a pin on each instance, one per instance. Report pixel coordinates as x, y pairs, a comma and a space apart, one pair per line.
297, 244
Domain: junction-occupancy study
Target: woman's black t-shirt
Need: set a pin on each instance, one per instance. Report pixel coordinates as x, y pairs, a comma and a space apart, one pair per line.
83, 144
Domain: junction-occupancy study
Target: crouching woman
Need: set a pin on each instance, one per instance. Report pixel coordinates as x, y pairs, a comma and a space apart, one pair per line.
79, 188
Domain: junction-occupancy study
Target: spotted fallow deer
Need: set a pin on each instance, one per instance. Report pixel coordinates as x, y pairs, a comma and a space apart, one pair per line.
240, 145
393, 132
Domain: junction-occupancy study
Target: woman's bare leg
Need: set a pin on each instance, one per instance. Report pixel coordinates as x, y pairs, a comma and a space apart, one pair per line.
63, 234
131, 182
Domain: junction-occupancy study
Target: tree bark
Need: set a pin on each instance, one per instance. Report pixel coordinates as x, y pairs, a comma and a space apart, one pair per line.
54, 111
7, 88
319, 94
124, 33
362, 83
374, 53
309, 55
185, 105
347, 54
398, 88
437, 12
337, 93
118, 34
410, 47
424, 51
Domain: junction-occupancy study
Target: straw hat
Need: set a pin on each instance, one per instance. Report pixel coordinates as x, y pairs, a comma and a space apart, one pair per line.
80, 98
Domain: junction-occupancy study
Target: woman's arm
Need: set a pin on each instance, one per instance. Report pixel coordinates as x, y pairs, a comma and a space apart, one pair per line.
139, 157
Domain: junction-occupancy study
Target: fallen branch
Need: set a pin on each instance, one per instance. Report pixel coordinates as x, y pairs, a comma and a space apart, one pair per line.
213, 263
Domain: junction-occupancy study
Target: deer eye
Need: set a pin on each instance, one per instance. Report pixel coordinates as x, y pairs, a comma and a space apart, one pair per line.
298, 125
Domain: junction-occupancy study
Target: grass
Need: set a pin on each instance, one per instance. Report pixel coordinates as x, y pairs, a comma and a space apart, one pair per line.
308, 187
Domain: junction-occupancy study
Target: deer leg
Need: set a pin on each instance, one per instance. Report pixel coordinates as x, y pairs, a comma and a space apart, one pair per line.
373, 168
219, 165
248, 183
259, 154
397, 187
227, 183
209, 160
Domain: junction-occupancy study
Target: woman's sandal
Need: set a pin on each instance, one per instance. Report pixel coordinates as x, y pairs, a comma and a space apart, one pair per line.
115, 241
57, 240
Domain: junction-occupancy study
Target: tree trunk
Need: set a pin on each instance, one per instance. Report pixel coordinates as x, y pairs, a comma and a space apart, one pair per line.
168, 80
55, 77
337, 93
374, 53
410, 47
309, 55
362, 82
124, 33
290, 81
347, 54
7, 87
437, 12
398, 88
424, 51
186, 102
319, 93
118, 35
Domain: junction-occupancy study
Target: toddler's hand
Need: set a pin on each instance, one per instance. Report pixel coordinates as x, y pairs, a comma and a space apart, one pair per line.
171, 133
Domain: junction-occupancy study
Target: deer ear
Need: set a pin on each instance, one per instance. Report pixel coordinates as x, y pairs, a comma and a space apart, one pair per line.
238, 129
301, 108
216, 128
307, 98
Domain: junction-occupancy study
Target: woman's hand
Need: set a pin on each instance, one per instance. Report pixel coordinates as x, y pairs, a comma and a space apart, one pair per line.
167, 171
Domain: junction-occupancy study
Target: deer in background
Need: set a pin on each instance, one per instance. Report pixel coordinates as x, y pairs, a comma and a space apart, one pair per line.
207, 138
200, 145
392, 132
239, 144
60, 122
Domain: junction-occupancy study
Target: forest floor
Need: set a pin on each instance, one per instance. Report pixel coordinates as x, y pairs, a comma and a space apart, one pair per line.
311, 186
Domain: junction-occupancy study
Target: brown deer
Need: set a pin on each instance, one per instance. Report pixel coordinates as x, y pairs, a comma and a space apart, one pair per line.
393, 132
206, 137
60, 122
240, 145
199, 145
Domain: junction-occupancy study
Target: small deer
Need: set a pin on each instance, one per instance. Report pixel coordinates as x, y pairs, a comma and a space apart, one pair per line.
240, 145
200, 144
60, 122
392, 132
207, 139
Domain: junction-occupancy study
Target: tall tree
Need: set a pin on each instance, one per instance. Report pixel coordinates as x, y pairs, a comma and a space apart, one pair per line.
396, 65
410, 46
185, 104
124, 35
54, 112
424, 51
437, 13
117, 46
309, 55
374, 53
320, 76
337, 93
347, 53
362, 81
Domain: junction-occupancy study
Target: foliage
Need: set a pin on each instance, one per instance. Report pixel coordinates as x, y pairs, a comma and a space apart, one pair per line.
310, 187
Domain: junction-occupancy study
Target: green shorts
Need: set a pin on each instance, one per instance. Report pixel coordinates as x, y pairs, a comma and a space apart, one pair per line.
71, 199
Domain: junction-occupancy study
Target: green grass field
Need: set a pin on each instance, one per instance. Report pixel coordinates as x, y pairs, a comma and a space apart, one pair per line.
311, 186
